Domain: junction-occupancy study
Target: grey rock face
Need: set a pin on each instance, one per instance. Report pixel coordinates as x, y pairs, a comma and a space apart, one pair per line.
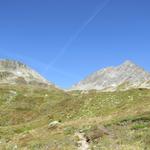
123, 77
14, 72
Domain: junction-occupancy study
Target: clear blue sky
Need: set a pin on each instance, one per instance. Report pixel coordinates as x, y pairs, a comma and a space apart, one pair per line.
65, 40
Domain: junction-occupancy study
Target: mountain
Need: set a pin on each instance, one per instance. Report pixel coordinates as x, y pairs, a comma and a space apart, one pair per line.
125, 76
37, 118
15, 72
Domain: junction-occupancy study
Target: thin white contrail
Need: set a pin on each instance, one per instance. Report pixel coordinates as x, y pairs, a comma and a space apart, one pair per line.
65, 48
75, 36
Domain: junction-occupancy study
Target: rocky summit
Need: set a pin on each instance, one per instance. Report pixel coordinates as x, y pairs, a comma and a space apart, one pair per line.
123, 77
15, 72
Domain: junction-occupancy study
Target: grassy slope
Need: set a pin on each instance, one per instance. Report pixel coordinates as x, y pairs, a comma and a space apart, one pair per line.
25, 113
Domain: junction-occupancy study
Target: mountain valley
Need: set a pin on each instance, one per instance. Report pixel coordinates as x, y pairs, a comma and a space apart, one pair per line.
92, 115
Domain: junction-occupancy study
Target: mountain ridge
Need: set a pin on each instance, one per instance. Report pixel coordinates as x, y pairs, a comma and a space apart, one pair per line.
127, 74
123, 77
15, 72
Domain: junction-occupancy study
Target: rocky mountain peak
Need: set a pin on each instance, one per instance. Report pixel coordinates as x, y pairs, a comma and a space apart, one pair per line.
125, 76
11, 64
128, 63
12, 72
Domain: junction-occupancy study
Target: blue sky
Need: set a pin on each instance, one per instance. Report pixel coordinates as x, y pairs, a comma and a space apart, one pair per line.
65, 40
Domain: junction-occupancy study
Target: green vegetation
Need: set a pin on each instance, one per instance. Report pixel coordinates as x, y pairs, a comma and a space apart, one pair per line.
26, 111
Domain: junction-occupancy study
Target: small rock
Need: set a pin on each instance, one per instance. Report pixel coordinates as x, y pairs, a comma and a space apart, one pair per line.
54, 124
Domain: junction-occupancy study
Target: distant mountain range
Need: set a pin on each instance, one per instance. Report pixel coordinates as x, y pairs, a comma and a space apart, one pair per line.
123, 77
126, 76
15, 72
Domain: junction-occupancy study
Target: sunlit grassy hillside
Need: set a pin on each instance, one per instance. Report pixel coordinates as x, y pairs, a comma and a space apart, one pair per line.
26, 113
